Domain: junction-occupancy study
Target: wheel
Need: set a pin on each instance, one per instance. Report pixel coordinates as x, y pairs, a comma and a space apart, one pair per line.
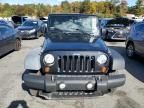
130, 50
37, 36
17, 45
113, 90
33, 92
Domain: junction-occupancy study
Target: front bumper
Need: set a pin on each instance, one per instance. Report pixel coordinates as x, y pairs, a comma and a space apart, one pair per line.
116, 36
26, 35
51, 83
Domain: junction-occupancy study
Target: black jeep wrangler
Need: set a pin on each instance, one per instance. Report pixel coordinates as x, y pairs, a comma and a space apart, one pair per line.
73, 60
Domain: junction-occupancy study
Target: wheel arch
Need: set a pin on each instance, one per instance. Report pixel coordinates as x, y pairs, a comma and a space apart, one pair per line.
32, 60
118, 62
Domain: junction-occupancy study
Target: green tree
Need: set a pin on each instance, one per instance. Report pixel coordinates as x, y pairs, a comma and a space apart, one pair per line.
75, 7
123, 7
139, 3
66, 7
85, 6
115, 3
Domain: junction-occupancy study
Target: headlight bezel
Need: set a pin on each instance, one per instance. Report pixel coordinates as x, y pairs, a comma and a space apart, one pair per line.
106, 63
48, 63
32, 31
101, 62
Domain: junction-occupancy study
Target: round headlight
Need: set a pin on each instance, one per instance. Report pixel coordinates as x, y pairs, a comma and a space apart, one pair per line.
49, 59
102, 59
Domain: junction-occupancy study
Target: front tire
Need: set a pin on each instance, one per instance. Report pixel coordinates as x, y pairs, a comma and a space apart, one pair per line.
33, 92
37, 36
17, 45
112, 90
130, 50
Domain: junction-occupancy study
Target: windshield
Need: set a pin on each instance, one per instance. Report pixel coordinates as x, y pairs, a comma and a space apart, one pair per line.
73, 23
73, 27
30, 23
115, 25
103, 22
119, 22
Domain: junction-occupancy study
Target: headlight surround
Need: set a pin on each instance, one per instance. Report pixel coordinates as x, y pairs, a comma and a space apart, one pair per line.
102, 59
33, 30
48, 59
121, 32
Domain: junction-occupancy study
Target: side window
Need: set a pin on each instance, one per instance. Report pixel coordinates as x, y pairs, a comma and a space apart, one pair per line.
139, 29
6, 31
0, 35
3, 31
10, 30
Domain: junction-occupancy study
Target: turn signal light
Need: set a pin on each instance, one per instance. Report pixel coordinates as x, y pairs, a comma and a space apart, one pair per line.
46, 69
104, 69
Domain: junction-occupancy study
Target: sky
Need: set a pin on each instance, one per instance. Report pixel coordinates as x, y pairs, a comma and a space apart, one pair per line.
52, 2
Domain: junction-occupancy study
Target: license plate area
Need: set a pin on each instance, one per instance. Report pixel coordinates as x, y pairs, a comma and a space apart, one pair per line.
75, 83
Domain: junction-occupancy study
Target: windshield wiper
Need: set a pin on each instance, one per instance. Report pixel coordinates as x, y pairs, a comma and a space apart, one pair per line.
91, 37
89, 34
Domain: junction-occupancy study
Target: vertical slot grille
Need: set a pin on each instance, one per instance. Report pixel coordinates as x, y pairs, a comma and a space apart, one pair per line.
76, 64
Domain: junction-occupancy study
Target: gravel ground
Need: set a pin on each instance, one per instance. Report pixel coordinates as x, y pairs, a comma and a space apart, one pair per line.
131, 95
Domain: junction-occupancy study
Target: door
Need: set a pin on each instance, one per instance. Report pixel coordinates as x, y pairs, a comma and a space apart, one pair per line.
4, 42
11, 37
139, 38
1, 43
8, 39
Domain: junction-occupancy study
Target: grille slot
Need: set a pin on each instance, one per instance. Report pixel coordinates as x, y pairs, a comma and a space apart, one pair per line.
76, 63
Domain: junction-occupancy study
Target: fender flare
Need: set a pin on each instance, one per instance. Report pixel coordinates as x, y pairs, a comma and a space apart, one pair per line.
32, 60
118, 62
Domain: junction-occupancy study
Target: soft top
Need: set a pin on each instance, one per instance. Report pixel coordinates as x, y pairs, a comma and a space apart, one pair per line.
72, 14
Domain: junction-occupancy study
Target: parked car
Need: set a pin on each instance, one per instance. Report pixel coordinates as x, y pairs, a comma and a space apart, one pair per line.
44, 20
135, 40
18, 20
73, 60
9, 40
6, 23
31, 29
117, 29
103, 23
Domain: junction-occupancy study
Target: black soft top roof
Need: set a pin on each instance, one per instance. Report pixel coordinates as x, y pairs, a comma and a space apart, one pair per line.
72, 14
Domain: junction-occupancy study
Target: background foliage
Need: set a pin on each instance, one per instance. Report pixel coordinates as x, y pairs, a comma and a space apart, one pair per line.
108, 8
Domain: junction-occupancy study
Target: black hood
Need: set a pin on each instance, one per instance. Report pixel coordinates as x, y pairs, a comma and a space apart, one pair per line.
97, 45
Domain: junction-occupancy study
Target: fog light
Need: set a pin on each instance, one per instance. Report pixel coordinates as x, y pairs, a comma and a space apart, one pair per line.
62, 86
89, 86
